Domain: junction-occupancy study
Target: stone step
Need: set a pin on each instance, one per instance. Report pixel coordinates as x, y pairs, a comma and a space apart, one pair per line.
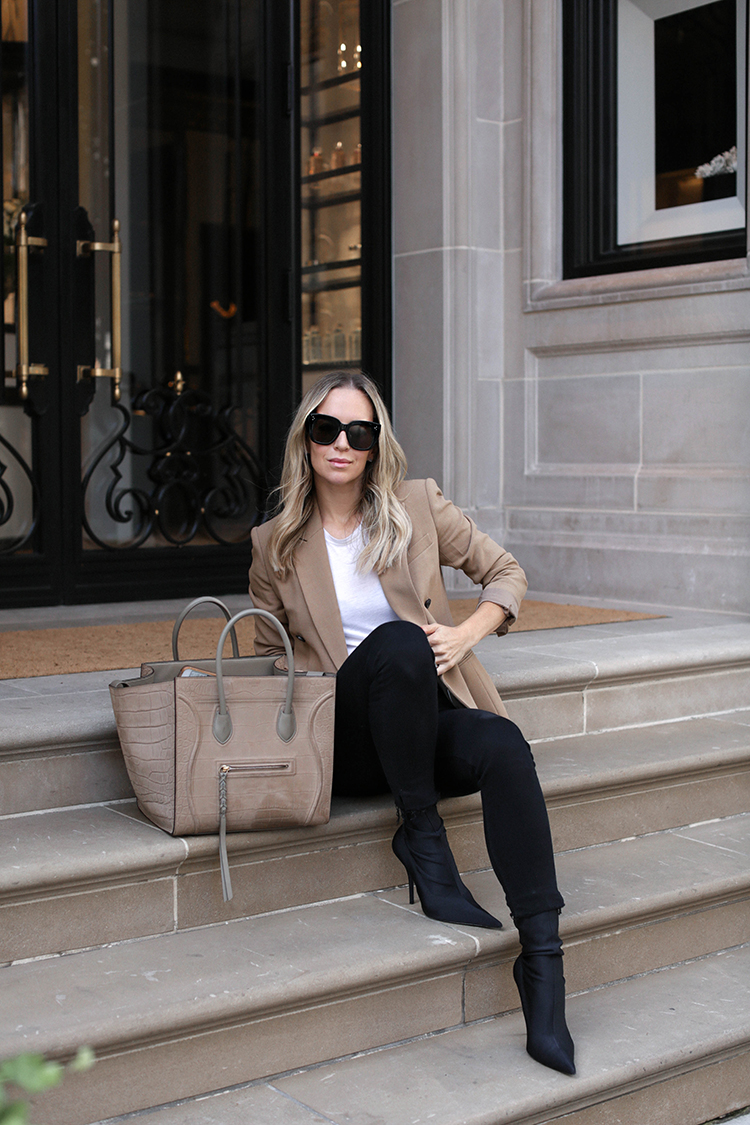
58, 742
82, 877
573, 681
666, 1048
204, 1009
627, 782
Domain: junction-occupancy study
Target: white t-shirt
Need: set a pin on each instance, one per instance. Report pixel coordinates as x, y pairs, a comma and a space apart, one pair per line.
362, 604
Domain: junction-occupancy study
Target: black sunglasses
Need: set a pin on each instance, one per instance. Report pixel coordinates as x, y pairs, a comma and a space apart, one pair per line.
323, 430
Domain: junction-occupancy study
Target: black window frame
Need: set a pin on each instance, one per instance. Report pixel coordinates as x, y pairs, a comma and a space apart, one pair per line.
590, 247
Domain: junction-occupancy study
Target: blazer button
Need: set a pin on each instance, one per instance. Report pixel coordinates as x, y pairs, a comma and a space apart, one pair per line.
428, 603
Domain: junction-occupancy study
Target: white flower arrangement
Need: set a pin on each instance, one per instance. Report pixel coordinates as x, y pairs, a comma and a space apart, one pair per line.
721, 165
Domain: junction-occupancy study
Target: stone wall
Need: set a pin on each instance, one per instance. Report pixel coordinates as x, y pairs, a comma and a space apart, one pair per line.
600, 428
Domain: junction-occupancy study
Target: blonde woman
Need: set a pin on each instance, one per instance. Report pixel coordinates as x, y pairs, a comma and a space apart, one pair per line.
351, 566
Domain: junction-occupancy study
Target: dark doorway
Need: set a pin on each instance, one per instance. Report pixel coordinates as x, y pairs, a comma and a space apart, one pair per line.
149, 364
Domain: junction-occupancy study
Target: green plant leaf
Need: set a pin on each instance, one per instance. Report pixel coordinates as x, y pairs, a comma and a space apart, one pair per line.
32, 1073
14, 1114
84, 1060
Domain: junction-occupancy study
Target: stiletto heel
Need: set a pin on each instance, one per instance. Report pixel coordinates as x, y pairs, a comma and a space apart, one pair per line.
538, 974
422, 846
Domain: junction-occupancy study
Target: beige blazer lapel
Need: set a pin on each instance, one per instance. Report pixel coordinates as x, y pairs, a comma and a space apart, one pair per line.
402, 595
313, 573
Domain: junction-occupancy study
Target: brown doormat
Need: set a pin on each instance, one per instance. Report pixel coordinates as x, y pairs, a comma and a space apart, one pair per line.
95, 648
50, 652
550, 615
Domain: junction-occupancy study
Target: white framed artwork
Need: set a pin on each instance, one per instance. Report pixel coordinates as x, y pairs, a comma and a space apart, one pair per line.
644, 212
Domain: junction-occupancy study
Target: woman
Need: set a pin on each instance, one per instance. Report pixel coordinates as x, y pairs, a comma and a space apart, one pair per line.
351, 567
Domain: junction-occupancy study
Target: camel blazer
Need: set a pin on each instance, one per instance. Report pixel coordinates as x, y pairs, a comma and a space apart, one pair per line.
443, 535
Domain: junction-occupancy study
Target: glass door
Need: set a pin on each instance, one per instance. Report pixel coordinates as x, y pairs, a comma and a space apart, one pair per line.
196, 223
149, 361
169, 289
29, 436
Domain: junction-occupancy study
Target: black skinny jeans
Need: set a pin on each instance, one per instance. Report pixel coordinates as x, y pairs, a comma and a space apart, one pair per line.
396, 729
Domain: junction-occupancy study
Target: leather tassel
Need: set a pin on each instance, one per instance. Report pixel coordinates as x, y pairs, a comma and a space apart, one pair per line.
226, 881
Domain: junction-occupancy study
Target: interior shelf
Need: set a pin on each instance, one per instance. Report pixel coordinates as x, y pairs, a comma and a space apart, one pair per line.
316, 203
333, 118
332, 286
331, 83
324, 267
331, 174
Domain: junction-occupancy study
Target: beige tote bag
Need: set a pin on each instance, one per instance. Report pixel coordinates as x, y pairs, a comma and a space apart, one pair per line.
227, 745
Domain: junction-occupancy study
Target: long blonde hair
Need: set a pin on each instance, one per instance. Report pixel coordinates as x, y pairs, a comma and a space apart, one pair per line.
384, 519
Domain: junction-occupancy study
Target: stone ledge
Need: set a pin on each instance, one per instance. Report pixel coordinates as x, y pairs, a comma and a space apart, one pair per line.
555, 663
222, 975
627, 1036
59, 713
246, 972
343, 947
65, 849
243, 999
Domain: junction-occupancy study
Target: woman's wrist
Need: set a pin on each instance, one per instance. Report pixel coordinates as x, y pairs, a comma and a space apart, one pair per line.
486, 619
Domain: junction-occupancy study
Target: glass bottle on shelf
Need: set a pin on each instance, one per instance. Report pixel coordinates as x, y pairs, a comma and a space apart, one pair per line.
355, 342
339, 343
315, 164
315, 344
338, 156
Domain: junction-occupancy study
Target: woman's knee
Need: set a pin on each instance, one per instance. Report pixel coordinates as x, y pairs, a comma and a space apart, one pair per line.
402, 646
500, 745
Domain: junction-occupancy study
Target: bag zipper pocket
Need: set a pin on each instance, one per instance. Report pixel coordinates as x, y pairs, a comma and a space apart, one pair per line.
276, 766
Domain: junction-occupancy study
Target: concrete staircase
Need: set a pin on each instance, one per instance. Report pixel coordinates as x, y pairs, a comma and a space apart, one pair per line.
318, 994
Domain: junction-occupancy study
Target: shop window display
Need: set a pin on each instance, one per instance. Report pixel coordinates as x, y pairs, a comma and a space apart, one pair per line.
332, 62
655, 95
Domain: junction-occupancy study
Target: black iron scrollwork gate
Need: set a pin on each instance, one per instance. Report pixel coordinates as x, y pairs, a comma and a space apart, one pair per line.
198, 480
12, 540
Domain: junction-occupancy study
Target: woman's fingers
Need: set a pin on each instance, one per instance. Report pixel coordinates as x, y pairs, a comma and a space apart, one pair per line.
448, 646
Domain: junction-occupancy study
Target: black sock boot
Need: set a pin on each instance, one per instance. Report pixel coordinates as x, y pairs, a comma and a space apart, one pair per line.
422, 846
538, 973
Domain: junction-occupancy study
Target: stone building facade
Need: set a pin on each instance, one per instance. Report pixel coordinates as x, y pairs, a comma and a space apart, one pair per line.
598, 426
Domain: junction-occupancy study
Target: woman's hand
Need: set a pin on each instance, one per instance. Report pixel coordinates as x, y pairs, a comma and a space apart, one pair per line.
451, 643
448, 645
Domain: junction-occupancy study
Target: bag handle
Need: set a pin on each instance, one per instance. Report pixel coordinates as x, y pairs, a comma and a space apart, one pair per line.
188, 609
286, 724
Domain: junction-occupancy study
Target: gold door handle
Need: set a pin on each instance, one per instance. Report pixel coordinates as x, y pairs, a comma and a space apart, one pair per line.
83, 249
24, 369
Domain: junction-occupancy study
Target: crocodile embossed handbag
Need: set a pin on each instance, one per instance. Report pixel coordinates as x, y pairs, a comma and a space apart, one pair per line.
227, 745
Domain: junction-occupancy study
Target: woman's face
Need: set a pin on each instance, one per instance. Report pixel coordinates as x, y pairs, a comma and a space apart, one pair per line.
339, 464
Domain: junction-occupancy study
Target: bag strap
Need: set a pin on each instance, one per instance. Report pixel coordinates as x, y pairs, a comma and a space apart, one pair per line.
188, 609
286, 724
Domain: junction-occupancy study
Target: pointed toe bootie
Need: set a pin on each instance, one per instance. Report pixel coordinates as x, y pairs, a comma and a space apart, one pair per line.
538, 974
422, 846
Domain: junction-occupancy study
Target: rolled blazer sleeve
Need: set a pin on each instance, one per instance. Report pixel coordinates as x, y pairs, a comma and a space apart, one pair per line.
464, 547
265, 596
